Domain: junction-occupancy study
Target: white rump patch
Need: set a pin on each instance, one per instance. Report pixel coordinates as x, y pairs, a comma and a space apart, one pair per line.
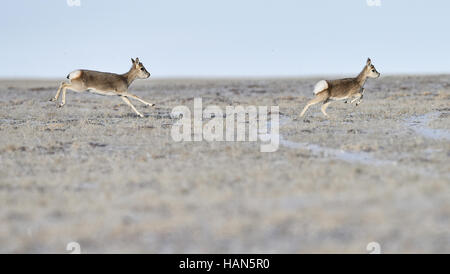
75, 74
320, 86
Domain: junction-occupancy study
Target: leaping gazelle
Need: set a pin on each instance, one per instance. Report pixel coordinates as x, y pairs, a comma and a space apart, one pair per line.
105, 83
352, 89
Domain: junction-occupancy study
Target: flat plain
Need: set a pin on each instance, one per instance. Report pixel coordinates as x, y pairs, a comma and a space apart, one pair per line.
94, 173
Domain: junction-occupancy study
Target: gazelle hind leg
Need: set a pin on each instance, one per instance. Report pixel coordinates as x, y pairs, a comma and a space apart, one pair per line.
139, 99
53, 99
126, 100
72, 86
63, 99
319, 98
324, 107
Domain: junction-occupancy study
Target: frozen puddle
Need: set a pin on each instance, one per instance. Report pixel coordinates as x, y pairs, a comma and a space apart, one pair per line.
419, 125
351, 157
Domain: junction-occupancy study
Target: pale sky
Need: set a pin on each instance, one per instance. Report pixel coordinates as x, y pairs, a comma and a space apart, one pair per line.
208, 38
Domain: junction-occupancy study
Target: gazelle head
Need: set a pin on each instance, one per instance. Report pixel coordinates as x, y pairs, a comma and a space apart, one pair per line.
370, 70
141, 72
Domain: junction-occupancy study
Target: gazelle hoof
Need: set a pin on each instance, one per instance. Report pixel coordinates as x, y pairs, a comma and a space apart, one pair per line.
52, 99
61, 105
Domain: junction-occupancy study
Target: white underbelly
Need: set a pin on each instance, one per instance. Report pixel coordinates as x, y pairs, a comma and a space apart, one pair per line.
101, 92
338, 98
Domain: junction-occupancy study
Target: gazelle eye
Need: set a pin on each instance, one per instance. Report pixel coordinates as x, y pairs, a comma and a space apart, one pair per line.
142, 69
373, 70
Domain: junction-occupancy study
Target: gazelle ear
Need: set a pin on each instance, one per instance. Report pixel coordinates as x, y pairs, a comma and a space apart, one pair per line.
132, 61
137, 60
369, 62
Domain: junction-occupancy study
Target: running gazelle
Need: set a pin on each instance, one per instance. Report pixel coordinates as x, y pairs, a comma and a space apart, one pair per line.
105, 83
352, 89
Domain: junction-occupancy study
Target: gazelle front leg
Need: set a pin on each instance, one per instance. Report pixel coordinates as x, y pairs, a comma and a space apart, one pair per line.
139, 99
348, 100
358, 98
126, 100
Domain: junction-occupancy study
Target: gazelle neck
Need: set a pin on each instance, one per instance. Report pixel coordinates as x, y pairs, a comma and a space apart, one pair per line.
362, 77
131, 75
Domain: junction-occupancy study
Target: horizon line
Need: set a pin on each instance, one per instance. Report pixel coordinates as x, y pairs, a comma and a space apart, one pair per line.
219, 77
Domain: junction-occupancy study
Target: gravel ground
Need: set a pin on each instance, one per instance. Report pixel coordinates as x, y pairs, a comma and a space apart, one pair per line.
94, 173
